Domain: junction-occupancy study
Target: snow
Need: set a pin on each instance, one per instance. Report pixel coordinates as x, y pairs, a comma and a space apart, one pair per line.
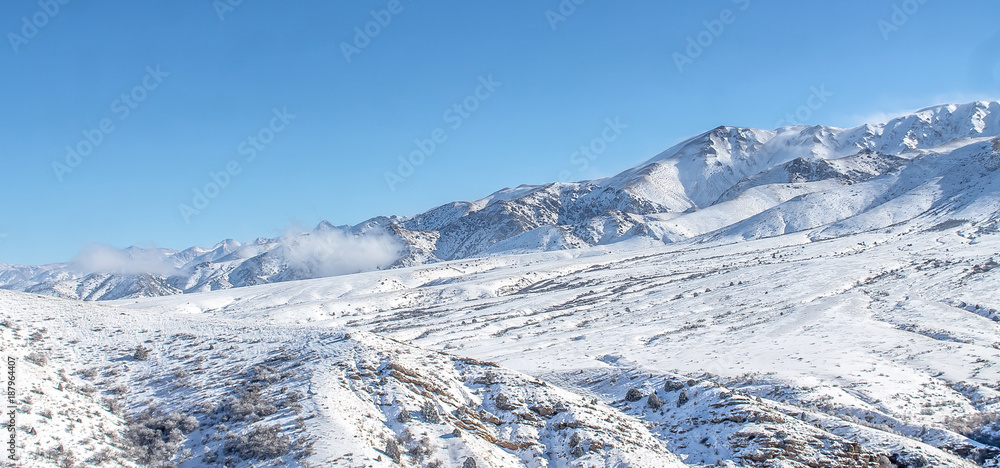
841, 330
809, 296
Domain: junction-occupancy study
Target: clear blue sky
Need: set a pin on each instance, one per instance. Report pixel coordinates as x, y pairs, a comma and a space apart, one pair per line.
353, 119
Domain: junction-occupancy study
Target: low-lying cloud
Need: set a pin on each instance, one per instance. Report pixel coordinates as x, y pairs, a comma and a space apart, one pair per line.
337, 252
99, 258
317, 253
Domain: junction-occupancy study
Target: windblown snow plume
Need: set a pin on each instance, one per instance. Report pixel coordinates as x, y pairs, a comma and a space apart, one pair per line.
337, 252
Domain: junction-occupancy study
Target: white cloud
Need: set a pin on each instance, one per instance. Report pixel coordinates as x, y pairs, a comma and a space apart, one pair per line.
337, 252
99, 258
319, 253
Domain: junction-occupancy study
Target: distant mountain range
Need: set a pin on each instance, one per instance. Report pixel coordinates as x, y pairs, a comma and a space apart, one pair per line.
730, 183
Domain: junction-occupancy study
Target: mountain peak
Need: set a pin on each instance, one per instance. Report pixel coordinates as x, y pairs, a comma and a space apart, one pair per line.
727, 183
325, 226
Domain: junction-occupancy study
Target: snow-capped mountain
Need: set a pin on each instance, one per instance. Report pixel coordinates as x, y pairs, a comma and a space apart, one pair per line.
805, 297
874, 350
728, 183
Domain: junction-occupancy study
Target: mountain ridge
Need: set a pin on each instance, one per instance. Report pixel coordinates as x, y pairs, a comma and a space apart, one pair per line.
730, 182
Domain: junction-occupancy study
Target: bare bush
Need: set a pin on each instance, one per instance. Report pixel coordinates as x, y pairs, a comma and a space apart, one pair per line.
100, 458
981, 427
113, 405
37, 359
633, 395
284, 356
63, 457
575, 439
673, 386
429, 413
155, 437
141, 353
262, 442
421, 450
504, 403
293, 396
392, 450
264, 373
250, 403
654, 402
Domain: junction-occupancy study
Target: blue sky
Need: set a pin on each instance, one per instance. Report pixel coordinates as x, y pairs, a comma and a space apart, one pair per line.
308, 132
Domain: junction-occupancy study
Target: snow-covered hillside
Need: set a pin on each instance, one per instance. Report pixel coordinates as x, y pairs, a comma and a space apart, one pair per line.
103, 387
878, 349
729, 183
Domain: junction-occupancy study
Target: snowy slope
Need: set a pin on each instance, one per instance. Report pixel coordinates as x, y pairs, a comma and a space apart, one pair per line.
210, 389
886, 339
809, 296
872, 340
